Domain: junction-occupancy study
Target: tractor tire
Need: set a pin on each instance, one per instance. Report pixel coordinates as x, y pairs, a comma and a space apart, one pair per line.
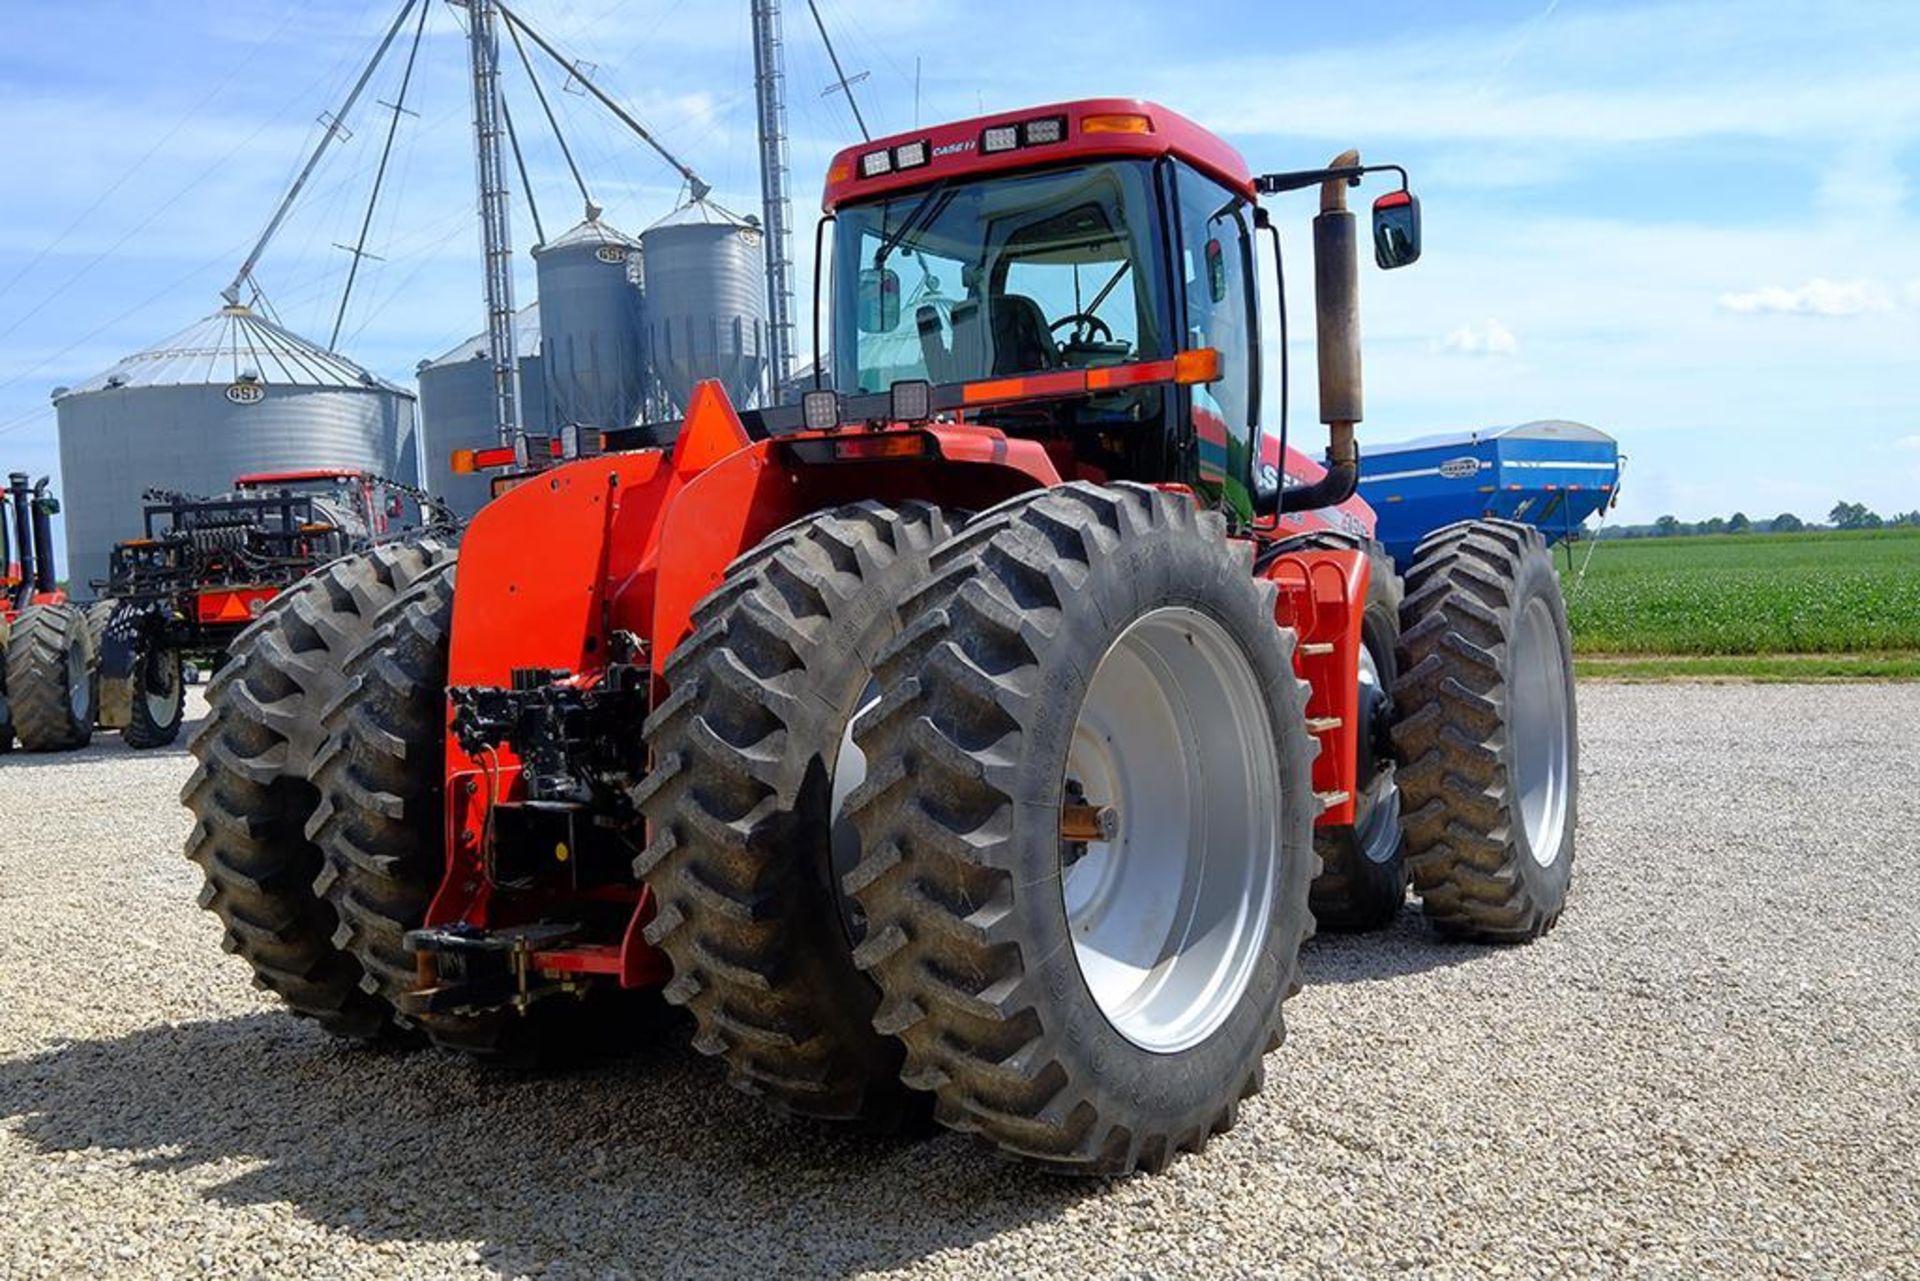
380, 821
50, 678
1363, 878
250, 793
752, 756
6, 705
1100, 657
1487, 733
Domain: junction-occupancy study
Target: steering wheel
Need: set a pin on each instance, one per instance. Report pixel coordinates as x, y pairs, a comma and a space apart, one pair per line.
1085, 324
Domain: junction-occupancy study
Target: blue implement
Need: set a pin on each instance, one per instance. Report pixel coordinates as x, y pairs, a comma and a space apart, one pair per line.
1551, 474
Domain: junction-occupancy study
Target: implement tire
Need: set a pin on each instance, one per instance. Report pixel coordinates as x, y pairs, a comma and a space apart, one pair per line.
50, 678
752, 753
250, 793
1363, 878
1104, 648
159, 700
1487, 732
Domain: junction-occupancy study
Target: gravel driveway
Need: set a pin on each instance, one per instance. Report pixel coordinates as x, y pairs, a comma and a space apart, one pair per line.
1712, 1066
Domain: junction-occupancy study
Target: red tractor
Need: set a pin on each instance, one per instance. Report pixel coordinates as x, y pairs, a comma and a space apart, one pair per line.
972, 736
48, 689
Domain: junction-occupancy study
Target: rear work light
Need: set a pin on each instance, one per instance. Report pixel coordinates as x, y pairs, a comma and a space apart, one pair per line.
1000, 138
875, 163
910, 400
820, 410
1038, 133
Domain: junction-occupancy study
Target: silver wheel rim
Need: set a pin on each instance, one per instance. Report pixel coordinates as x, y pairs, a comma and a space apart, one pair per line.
1538, 731
1376, 810
1169, 918
162, 693
78, 701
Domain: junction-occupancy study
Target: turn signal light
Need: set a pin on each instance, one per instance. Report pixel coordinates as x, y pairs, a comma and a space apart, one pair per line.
1116, 122
885, 445
1201, 365
464, 462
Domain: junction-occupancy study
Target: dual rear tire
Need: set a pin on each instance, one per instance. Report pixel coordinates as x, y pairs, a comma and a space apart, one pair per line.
1098, 999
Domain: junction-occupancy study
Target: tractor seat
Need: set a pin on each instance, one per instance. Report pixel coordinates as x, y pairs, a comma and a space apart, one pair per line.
1021, 343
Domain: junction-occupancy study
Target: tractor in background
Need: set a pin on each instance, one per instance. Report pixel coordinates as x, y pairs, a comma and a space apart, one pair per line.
981, 735
204, 568
48, 688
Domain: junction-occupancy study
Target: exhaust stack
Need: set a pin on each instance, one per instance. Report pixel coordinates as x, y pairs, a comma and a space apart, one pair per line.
1336, 304
44, 578
22, 498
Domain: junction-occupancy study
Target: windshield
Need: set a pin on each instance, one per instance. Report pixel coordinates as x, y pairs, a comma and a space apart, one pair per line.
1004, 275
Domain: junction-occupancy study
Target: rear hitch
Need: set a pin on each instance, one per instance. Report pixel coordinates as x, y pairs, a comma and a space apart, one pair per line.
464, 970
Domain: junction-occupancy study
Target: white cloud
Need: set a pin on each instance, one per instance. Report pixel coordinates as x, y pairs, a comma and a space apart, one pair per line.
1908, 442
1818, 297
1489, 339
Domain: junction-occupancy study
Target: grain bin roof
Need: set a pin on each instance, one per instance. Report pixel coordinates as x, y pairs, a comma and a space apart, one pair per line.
590, 232
230, 346
526, 341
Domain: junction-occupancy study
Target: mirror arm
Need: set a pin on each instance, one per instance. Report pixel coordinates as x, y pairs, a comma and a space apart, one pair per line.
1272, 184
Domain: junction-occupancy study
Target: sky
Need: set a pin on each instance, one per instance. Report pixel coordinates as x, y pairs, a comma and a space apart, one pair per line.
1692, 225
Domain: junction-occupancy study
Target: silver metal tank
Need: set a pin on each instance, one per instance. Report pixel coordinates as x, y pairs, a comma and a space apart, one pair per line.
456, 408
232, 394
592, 335
706, 303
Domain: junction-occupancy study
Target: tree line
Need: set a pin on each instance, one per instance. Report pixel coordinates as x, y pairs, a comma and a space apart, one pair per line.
1845, 515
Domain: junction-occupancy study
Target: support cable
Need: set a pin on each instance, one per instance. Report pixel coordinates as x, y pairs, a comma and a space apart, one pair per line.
520, 163
840, 77
399, 108
593, 210
335, 126
698, 187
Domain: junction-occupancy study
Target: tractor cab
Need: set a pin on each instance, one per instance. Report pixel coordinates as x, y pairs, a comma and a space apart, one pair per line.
1103, 249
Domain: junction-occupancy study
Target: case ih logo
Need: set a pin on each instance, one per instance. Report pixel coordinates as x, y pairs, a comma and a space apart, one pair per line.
1457, 468
612, 254
953, 148
246, 393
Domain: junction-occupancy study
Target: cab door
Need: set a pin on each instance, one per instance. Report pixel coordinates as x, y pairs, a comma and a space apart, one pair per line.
1213, 264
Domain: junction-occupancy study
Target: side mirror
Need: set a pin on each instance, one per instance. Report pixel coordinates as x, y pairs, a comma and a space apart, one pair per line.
879, 300
1396, 229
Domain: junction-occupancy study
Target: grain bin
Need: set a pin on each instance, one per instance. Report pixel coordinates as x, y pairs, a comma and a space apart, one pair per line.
706, 303
592, 336
457, 410
233, 393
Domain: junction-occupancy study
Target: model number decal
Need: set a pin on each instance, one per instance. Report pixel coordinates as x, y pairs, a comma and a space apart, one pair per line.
1459, 468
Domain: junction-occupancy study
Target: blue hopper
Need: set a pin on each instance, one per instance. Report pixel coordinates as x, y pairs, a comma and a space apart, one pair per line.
1550, 474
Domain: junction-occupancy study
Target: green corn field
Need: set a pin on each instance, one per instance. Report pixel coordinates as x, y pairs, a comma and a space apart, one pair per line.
1817, 593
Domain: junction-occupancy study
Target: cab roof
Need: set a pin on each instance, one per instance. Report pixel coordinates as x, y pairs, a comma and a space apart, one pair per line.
1091, 129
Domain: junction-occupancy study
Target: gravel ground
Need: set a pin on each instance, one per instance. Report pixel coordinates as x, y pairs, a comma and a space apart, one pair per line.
1713, 1066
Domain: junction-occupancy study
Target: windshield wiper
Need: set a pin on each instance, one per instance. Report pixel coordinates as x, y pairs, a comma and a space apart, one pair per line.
923, 210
